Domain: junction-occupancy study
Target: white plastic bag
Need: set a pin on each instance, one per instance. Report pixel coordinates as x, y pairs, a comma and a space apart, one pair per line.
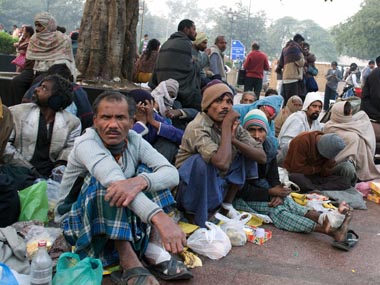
234, 228
211, 242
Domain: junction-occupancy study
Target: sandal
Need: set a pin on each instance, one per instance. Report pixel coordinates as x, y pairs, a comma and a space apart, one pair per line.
168, 270
122, 277
351, 240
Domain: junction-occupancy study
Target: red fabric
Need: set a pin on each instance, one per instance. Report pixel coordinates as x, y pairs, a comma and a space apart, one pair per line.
255, 64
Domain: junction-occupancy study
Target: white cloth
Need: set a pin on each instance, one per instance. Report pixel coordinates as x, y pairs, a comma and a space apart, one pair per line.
162, 97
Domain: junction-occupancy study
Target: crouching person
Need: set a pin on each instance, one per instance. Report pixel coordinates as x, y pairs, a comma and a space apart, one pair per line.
108, 214
266, 195
215, 157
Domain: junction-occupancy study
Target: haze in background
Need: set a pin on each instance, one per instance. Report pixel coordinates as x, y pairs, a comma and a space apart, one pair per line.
326, 14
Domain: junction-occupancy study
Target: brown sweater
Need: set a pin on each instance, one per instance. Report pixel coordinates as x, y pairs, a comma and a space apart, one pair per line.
303, 156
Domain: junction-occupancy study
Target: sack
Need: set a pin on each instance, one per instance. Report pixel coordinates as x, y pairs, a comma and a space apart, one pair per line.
6, 275
312, 70
19, 60
34, 203
72, 270
241, 77
211, 242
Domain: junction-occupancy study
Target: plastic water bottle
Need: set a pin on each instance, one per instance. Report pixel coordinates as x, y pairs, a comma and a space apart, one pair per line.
42, 266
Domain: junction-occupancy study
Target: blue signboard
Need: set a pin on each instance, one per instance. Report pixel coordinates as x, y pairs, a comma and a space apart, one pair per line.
237, 50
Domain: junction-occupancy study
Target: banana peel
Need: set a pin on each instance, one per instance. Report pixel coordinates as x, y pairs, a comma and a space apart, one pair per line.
299, 198
190, 259
329, 206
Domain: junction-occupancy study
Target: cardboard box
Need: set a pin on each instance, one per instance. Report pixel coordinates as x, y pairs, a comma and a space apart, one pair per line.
250, 231
374, 198
375, 187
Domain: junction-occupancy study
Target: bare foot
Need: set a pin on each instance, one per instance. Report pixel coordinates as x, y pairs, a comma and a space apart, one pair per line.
341, 233
343, 208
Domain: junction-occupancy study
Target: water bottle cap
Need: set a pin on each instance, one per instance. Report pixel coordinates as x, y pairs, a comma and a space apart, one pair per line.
41, 243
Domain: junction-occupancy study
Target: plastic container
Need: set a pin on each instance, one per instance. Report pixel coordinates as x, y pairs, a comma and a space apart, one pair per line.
42, 266
358, 92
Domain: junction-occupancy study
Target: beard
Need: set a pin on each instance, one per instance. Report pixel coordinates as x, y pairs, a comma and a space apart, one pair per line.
314, 116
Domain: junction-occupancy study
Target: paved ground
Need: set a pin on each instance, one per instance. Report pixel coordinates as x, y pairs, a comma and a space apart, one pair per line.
290, 258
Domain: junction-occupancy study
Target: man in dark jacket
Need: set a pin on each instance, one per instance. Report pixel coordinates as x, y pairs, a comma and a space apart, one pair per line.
175, 61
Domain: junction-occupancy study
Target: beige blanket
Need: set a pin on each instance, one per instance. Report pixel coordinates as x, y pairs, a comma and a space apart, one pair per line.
359, 136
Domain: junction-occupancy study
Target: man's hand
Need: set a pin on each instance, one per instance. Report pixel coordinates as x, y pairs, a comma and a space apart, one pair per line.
173, 113
149, 111
140, 114
172, 236
230, 119
123, 192
279, 191
275, 201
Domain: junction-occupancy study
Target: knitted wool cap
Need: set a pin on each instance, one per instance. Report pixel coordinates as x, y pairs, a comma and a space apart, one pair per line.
213, 92
200, 38
140, 95
329, 145
256, 117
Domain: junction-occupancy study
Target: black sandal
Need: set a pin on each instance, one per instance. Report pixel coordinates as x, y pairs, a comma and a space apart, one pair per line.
122, 277
168, 270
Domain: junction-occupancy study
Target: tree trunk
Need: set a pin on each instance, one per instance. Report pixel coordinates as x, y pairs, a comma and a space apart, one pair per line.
107, 39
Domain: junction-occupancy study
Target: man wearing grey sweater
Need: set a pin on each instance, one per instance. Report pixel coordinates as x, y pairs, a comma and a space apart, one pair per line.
109, 215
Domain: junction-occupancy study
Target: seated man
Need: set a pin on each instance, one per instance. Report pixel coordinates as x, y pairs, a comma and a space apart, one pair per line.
215, 157
80, 107
110, 216
300, 121
266, 195
43, 133
270, 105
155, 129
248, 97
311, 165
359, 137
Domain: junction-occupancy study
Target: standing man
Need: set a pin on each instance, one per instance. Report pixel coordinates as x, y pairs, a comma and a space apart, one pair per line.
200, 54
175, 61
43, 133
217, 58
255, 65
143, 44
215, 157
366, 71
371, 100
333, 76
290, 66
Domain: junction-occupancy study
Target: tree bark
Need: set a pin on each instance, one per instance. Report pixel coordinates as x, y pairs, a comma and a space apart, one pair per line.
107, 39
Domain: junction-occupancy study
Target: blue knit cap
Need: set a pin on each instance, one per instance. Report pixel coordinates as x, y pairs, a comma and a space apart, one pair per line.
256, 117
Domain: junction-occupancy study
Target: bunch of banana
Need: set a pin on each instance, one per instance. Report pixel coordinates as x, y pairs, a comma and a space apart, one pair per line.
299, 198
190, 259
329, 206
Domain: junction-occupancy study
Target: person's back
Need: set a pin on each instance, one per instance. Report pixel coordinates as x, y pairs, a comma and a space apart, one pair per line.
183, 68
371, 94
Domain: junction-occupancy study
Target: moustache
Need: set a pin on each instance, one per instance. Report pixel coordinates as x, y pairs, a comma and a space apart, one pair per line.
314, 116
112, 132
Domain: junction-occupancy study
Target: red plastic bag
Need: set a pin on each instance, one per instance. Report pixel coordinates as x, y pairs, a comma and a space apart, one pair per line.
19, 60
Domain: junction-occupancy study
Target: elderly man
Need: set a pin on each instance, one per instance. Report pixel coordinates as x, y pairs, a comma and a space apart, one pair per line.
111, 216
215, 157
200, 54
217, 57
300, 121
248, 97
43, 133
183, 68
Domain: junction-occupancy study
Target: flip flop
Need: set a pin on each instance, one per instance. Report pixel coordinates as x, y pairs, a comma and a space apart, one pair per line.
167, 270
352, 239
122, 277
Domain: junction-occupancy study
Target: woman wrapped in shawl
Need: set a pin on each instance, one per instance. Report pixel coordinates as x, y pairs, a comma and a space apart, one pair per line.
294, 104
358, 134
49, 46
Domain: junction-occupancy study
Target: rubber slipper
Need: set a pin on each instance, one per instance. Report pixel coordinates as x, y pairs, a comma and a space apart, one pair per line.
122, 277
352, 239
168, 270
